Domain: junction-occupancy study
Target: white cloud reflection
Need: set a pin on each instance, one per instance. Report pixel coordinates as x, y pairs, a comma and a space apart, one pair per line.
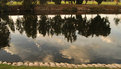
107, 39
79, 54
49, 48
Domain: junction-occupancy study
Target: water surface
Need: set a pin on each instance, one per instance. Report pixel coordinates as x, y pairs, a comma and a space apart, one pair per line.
61, 38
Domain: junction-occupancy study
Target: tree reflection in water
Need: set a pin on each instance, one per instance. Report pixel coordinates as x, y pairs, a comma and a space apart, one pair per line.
44, 25
98, 26
4, 31
117, 20
69, 27
30, 25
19, 25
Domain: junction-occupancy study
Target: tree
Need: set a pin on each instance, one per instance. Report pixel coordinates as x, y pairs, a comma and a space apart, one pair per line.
29, 4
30, 25
19, 25
99, 1
70, 1
117, 20
4, 36
69, 29
56, 24
57, 1
43, 1
11, 24
79, 1
4, 31
99, 26
3, 6
65, 1
117, 1
44, 26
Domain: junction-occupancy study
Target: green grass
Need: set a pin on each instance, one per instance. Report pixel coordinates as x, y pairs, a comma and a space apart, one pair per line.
3, 66
14, 3
89, 2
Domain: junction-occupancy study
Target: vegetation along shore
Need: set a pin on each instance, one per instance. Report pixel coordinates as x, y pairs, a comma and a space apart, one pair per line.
58, 65
59, 6
3, 66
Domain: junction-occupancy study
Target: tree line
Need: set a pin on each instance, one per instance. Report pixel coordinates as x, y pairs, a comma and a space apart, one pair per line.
29, 4
69, 27
55, 1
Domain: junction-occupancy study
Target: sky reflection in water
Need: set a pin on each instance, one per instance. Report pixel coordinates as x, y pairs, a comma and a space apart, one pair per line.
61, 38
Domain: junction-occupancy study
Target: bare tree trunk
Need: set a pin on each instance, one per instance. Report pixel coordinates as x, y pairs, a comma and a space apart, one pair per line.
116, 2
93, 1
71, 1
86, 2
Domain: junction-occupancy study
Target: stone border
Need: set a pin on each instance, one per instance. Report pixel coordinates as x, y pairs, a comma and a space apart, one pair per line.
54, 64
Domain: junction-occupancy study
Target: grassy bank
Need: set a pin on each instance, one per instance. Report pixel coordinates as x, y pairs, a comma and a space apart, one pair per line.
89, 2
3, 66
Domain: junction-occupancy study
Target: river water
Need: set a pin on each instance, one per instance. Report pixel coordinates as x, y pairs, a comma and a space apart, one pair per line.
86, 38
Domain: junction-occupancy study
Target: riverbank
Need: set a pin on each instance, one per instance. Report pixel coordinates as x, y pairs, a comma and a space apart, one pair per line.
61, 65
3, 66
63, 2
66, 9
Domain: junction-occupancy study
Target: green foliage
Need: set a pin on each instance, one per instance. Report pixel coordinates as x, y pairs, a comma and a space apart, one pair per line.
57, 1
117, 20
43, 1
99, 1
4, 31
30, 25
3, 6
79, 1
29, 4
4, 1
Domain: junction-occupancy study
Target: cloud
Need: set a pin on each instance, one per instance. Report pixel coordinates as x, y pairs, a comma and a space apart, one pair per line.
48, 58
77, 53
107, 39
8, 49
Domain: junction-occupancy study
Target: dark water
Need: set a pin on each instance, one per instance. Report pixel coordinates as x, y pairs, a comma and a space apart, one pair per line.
61, 38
